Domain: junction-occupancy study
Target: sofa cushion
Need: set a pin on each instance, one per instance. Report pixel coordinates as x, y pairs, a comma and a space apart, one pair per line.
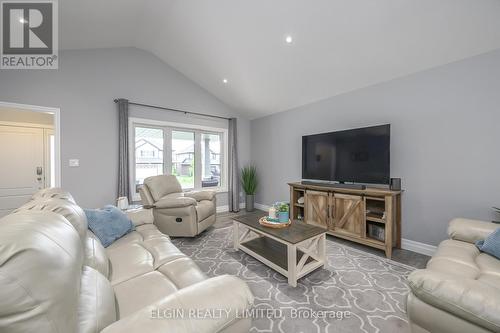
204, 209
175, 200
147, 250
129, 261
221, 292
160, 186
162, 251
95, 254
97, 307
136, 293
140, 234
71, 211
457, 258
108, 224
461, 280
182, 272
40, 271
491, 244
53, 193
490, 269
470, 231
467, 298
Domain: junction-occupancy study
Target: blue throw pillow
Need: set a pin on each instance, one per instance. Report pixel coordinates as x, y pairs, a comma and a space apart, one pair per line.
108, 224
491, 244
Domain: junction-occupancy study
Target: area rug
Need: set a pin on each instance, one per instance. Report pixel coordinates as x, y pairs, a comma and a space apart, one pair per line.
355, 292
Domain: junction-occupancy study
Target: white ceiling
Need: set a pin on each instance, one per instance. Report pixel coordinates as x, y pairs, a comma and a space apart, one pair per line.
339, 45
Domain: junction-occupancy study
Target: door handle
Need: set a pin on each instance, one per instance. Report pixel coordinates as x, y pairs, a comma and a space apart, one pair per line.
39, 171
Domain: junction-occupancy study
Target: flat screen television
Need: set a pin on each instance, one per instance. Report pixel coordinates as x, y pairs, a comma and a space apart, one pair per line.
360, 155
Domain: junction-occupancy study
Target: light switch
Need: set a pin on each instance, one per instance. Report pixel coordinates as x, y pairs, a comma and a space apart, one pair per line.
74, 162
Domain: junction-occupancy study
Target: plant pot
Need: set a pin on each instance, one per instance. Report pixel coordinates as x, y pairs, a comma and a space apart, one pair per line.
249, 202
283, 217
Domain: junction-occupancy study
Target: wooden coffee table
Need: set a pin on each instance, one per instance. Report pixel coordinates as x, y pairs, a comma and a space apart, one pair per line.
294, 251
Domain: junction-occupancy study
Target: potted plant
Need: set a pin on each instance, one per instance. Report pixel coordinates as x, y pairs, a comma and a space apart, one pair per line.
283, 212
249, 183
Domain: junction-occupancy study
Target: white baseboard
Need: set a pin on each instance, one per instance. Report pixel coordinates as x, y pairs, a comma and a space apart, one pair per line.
422, 248
406, 244
225, 208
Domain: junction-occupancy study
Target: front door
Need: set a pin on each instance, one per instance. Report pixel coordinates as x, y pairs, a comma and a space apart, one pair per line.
21, 167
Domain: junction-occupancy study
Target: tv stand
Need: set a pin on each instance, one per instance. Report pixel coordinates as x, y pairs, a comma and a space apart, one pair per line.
335, 185
369, 216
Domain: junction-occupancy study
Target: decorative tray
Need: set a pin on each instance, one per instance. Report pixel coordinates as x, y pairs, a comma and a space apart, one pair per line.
271, 224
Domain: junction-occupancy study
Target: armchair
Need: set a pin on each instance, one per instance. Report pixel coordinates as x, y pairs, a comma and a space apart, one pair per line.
178, 213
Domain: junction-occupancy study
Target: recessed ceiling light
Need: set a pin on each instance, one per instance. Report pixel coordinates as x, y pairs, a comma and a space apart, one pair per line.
224, 80
288, 39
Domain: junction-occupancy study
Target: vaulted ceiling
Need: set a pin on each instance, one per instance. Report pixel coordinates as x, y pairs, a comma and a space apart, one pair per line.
338, 45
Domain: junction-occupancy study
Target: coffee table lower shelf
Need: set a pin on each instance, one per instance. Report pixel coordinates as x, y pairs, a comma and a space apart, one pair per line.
291, 260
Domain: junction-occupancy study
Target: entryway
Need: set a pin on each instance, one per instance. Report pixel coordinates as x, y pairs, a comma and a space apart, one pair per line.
29, 153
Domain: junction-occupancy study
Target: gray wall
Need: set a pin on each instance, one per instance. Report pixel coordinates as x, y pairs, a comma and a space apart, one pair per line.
84, 88
445, 141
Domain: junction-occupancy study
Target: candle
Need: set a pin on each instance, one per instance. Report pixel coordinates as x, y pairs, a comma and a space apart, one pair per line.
272, 213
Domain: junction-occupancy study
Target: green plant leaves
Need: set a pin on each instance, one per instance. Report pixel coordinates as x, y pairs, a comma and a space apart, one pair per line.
249, 179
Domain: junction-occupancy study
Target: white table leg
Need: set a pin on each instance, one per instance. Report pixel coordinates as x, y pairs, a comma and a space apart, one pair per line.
236, 236
292, 264
322, 249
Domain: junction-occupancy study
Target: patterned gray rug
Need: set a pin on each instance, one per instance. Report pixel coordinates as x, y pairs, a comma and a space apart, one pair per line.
356, 292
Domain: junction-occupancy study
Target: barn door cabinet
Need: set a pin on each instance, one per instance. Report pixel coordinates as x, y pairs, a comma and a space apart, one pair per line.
371, 217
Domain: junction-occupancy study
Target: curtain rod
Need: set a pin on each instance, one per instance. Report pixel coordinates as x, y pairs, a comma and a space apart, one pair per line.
175, 110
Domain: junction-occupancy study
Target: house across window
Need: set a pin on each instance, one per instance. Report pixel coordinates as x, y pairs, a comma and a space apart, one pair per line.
196, 155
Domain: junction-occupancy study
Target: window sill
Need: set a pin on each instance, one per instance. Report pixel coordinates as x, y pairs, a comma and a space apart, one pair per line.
216, 189
137, 198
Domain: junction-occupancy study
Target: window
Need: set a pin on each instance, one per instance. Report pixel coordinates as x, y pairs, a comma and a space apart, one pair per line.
210, 160
146, 140
183, 145
195, 154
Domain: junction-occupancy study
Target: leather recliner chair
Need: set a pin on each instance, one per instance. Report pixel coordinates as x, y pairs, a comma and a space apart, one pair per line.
178, 213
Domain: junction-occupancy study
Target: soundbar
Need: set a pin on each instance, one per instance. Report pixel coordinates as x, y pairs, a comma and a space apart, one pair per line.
335, 185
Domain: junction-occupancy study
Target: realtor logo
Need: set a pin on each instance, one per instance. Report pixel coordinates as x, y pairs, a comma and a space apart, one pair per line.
29, 35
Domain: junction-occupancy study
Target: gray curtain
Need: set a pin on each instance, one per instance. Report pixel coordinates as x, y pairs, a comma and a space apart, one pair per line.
123, 162
234, 170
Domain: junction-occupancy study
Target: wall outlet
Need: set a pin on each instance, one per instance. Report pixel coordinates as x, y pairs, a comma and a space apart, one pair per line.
74, 162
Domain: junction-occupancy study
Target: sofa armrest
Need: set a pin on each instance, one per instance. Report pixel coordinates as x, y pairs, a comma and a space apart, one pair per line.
201, 195
175, 202
186, 311
470, 299
470, 231
140, 216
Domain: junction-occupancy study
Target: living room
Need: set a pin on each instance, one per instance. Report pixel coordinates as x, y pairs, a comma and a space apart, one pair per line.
248, 166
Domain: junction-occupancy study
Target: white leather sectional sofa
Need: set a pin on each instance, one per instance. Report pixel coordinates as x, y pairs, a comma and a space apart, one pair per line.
55, 276
459, 291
